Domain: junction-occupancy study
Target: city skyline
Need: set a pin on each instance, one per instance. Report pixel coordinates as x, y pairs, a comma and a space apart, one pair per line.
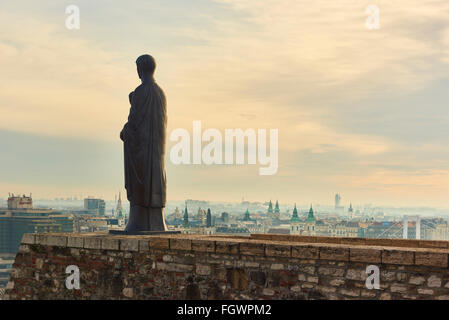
360, 112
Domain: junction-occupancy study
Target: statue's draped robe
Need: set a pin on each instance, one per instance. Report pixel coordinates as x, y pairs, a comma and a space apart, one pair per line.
144, 146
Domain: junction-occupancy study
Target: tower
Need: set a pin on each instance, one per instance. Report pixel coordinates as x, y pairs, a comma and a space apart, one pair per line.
186, 223
295, 217
295, 222
119, 209
310, 217
337, 201
208, 219
350, 211
270, 208
246, 217
277, 212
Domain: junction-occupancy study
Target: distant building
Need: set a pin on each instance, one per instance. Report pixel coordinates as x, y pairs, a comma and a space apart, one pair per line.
277, 211
246, 217
337, 202
20, 202
186, 223
6, 262
201, 216
350, 212
208, 219
20, 217
95, 206
119, 209
270, 209
224, 217
295, 222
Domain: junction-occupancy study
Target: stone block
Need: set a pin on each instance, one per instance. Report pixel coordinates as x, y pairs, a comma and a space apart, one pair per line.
51, 240
398, 288
417, 280
334, 253
110, 244
365, 255
227, 247
305, 252
252, 249
203, 270
434, 281
180, 244
144, 245
75, 242
203, 245
159, 243
350, 292
353, 241
29, 238
130, 244
277, 266
278, 250
425, 291
392, 256
433, 244
92, 243
433, 259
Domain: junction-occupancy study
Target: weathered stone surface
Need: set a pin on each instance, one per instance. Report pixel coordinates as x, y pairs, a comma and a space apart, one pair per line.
365, 255
276, 250
398, 257
75, 242
434, 281
203, 245
159, 243
181, 244
334, 253
252, 249
385, 296
144, 245
227, 247
350, 292
28, 238
433, 259
92, 243
417, 280
425, 291
131, 244
277, 266
51, 240
110, 244
203, 270
398, 288
307, 252
187, 267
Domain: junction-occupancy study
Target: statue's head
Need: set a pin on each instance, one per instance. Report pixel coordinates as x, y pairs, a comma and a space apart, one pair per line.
145, 66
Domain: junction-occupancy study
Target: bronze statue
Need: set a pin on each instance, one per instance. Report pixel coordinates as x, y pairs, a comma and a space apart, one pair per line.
144, 152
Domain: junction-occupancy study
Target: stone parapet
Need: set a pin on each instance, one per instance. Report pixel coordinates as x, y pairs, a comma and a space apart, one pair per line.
262, 266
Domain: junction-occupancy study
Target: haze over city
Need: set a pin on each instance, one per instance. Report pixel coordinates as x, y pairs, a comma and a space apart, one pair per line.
360, 112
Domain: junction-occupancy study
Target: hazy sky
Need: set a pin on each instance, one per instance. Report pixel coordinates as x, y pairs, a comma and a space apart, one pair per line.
360, 112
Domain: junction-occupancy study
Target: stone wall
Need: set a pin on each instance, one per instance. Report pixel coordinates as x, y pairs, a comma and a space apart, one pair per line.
214, 267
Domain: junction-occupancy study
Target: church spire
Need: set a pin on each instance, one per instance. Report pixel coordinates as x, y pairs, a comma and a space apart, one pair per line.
186, 223
270, 207
119, 208
310, 217
295, 217
276, 207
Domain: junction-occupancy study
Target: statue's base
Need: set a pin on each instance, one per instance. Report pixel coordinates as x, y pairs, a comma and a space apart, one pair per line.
141, 233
